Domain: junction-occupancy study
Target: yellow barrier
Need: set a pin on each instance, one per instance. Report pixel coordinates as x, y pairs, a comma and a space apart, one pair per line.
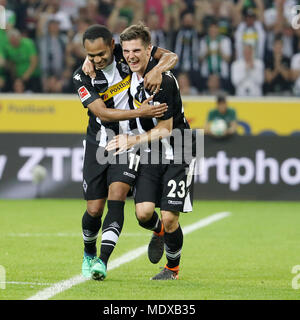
256, 115
44, 114
65, 114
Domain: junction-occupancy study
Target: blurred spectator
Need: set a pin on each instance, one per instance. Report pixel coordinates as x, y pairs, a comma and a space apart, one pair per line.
51, 11
160, 8
221, 10
106, 6
277, 70
75, 52
225, 26
71, 7
52, 53
2, 70
295, 70
124, 13
247, 74
289, 40
215, 55
250, 31
22, 55
185, 85
10, 15
93, 13
213, 85
32, 11
256, 5
158, 35
186, 46
224, 112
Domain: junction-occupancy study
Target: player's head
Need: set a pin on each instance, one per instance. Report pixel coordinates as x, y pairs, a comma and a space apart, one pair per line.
136, 44
99, 45
221, 103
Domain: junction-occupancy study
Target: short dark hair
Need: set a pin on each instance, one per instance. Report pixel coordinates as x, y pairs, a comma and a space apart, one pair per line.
137, 31
96, 31
221, 98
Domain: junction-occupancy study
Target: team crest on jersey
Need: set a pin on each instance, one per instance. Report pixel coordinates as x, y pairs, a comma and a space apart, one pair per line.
125, 68
83, 93
84, 185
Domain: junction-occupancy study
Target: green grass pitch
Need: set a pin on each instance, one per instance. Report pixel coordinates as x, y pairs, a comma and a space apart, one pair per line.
248, 255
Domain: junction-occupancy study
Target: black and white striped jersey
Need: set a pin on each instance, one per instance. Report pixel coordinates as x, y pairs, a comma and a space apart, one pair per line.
112, 86
169, 93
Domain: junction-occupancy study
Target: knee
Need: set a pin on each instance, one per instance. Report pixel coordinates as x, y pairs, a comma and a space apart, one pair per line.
170, 221
95, 209
144, 212
118, 191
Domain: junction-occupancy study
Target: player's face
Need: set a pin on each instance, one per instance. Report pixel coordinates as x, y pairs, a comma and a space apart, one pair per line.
136, 55
99, 53
222, 106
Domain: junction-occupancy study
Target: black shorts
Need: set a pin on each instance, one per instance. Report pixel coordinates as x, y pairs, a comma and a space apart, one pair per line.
97, 177
169, 186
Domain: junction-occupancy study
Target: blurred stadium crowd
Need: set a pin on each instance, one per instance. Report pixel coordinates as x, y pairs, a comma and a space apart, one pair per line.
238, 47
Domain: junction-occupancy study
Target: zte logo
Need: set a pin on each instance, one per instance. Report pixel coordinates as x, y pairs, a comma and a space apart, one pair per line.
296, 17
2, 18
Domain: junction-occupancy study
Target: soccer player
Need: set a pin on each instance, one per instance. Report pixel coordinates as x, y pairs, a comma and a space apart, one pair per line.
110, 110
165, 185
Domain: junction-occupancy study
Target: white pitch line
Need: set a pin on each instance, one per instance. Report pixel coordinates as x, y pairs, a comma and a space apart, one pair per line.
61, 286
26, 283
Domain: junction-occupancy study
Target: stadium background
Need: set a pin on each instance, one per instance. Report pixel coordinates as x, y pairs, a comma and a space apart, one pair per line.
262, 163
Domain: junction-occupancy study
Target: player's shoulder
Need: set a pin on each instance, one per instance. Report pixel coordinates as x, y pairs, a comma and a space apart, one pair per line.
79, 77
168, 78
169, 81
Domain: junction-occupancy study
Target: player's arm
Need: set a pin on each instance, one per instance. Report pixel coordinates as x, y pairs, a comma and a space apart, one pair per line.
99, 109
90, 99
232, 128
124, 142
166, 61
152, 80
163, 128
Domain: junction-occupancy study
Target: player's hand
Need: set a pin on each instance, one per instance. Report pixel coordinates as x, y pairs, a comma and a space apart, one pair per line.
152, 80
152, 111
121, 143
88, 68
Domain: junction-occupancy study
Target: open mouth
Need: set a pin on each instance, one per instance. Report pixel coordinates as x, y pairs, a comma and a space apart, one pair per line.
99, 65
133, 63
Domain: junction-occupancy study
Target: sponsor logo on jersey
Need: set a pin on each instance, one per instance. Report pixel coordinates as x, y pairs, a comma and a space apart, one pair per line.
174, 202
116, 89
125, 173
98, 82
83, 93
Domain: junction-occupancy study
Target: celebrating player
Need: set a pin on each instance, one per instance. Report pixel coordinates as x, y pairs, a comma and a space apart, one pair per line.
167, 185
110, 110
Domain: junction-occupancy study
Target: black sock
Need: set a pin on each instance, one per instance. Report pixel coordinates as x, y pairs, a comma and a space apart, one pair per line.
154, 223
173, 246
90, 228
112, 227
